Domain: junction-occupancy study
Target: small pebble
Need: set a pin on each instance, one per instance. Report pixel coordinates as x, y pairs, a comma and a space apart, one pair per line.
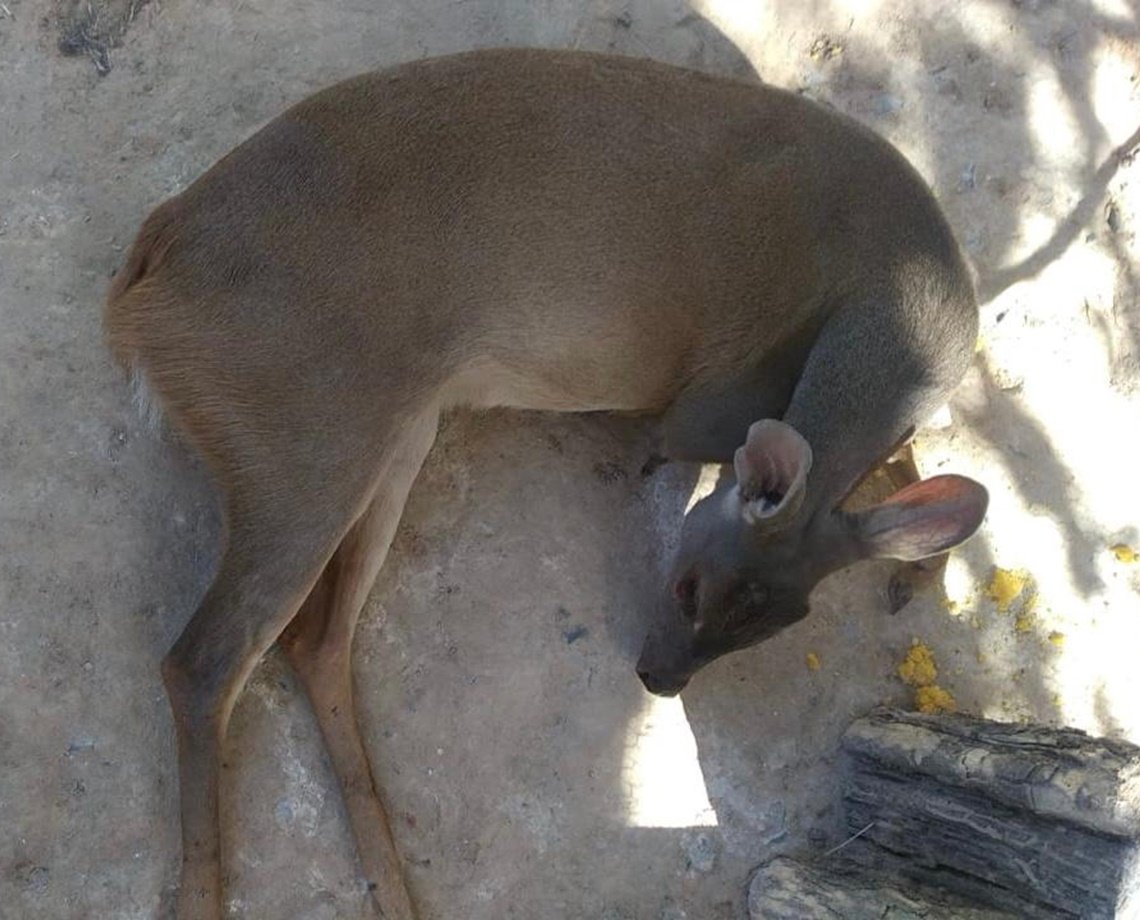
700, 851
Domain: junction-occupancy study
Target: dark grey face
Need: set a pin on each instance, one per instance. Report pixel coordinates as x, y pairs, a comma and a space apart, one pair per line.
732, 585
752, 552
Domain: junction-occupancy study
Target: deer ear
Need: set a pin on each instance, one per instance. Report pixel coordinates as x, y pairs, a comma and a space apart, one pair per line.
924, 519
771, 473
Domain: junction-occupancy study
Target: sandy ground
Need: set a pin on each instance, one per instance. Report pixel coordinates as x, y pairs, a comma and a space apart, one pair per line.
532, 777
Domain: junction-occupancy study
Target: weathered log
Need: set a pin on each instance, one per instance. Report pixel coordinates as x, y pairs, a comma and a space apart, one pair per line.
1038, 821
785, 889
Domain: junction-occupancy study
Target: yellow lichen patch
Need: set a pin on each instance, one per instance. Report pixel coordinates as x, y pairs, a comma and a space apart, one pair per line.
812, 660
1125, 553
1005, 587
919, 671
918, 668
1057, 638
934, 699
1027, 616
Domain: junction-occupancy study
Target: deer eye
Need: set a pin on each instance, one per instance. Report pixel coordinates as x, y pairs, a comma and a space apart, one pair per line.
686, 592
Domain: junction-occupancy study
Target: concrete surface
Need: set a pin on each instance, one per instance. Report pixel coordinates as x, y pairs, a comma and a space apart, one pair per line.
531, 775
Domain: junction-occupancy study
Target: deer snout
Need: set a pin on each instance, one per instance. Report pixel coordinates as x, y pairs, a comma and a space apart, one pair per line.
663, 670
662, 684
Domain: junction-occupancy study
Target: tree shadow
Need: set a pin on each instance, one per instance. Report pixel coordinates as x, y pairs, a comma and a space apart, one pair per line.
1038, 473
1079, 219
988, 188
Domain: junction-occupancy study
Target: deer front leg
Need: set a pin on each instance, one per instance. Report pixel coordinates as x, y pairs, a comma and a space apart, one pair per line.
709, 420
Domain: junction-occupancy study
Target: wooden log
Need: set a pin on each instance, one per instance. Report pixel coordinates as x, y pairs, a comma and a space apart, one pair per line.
1038, 821
785, 889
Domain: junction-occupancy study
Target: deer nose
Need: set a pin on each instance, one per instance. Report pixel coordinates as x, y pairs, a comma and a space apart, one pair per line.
662, 684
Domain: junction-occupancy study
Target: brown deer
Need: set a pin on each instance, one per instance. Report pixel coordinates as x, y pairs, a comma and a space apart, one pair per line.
549, 230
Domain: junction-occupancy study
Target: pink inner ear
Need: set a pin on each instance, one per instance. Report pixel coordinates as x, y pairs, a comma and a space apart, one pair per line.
936, 490
925, 518
773, 462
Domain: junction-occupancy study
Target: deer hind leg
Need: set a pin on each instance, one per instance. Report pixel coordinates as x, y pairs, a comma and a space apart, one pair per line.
318, 644
288, 508
277, 545
910, 578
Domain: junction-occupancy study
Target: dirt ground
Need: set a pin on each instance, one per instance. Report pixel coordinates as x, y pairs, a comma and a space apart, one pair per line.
531, 775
